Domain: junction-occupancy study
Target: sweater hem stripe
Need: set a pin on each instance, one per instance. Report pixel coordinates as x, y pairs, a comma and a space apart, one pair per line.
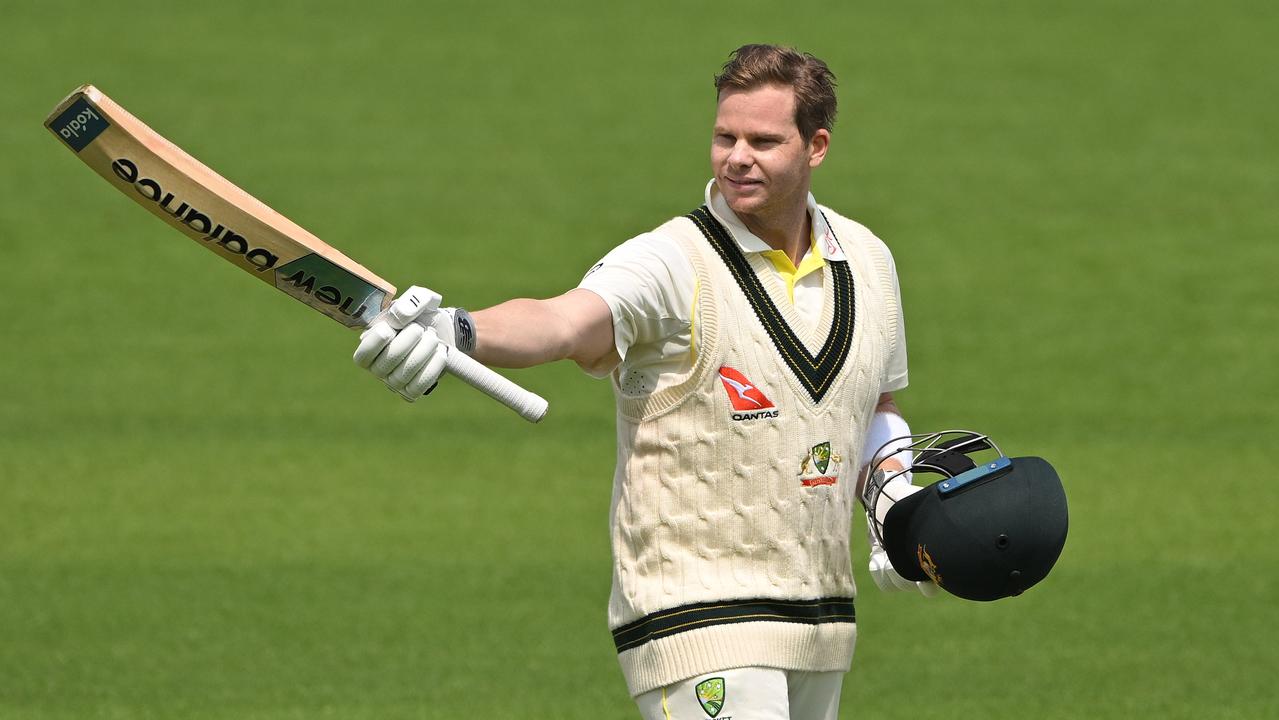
691, 617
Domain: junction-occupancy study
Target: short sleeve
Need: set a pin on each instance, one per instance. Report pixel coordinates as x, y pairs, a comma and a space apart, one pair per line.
896, 376
648, 284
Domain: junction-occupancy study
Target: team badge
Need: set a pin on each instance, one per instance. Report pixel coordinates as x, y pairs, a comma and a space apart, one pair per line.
821, 456
710, 693
747, 400
820, 466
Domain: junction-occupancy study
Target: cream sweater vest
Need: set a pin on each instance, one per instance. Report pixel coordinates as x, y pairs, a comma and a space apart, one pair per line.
733, 494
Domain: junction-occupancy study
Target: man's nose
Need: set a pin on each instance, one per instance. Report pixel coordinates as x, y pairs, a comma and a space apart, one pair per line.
740, 155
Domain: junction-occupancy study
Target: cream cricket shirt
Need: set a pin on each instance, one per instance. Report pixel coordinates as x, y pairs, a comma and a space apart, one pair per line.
740, 420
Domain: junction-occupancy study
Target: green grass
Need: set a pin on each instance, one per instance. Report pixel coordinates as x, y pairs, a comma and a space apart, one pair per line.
207, 512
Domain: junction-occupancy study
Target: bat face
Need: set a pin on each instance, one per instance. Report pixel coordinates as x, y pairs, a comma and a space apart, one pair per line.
211, 210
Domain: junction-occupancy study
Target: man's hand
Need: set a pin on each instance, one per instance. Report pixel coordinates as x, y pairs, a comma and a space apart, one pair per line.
408, 345
887, 579
881, 568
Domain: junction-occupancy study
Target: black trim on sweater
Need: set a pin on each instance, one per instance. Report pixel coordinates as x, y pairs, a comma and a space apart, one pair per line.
815, 372
692, 617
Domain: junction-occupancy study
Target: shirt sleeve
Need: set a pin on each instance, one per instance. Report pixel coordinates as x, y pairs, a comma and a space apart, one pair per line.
896, 377
649, 285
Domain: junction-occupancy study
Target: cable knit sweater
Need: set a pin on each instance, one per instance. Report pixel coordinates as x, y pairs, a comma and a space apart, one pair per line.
733, 493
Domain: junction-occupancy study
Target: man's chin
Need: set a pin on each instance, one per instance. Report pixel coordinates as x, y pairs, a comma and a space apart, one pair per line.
742, 204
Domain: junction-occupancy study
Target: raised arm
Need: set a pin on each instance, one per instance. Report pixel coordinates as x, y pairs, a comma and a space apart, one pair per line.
577, 326
407, 347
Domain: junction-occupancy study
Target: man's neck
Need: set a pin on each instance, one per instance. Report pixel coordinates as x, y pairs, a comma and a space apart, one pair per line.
789, 231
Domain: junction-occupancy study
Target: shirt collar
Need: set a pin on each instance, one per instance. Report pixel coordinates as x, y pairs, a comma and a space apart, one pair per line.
823, 240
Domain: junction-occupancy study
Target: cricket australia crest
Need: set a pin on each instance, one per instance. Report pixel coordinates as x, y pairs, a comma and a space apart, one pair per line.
821, 466
710, 693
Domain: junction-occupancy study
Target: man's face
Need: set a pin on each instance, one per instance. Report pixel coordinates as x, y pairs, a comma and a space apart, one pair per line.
761, 163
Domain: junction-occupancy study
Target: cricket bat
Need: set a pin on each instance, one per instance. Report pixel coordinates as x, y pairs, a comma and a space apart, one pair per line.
241, 229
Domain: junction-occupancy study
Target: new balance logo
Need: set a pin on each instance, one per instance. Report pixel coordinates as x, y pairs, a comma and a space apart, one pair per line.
747, 400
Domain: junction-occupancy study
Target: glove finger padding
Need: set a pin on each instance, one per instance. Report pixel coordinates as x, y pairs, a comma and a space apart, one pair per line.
898, 581
412, 303
416, 360
430, 373
372, 342
888, 579
881, 570
396, 352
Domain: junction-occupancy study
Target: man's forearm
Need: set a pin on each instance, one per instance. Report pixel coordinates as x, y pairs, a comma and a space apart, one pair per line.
523, 332
519, 333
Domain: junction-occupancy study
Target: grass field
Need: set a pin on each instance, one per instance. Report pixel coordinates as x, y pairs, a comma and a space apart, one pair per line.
206, 511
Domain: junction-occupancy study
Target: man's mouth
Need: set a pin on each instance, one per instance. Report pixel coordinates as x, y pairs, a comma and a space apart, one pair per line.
743, 183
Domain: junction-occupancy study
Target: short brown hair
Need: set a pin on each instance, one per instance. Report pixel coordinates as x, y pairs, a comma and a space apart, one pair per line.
751, 66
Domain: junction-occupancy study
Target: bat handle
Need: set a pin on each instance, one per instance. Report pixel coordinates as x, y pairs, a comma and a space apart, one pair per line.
530, 406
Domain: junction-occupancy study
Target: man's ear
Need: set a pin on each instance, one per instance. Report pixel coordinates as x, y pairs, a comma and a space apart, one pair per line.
818, 146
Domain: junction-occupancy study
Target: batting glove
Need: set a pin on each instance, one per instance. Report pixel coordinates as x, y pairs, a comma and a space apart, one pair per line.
407, 346
887, 579
881, 568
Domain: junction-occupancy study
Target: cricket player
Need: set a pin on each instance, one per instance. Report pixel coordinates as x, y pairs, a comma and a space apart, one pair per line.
753, 346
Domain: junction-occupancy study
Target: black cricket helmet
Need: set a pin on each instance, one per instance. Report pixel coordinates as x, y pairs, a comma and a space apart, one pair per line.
987, 530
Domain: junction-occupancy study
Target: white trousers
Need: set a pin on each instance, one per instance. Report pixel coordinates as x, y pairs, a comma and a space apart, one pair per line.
750, 693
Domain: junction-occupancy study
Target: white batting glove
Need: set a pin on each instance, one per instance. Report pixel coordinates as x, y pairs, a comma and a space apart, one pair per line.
882, 572
887, 579
407, 346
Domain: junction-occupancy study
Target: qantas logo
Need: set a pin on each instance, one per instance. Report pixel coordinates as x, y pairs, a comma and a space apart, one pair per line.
747, 400
742, 393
